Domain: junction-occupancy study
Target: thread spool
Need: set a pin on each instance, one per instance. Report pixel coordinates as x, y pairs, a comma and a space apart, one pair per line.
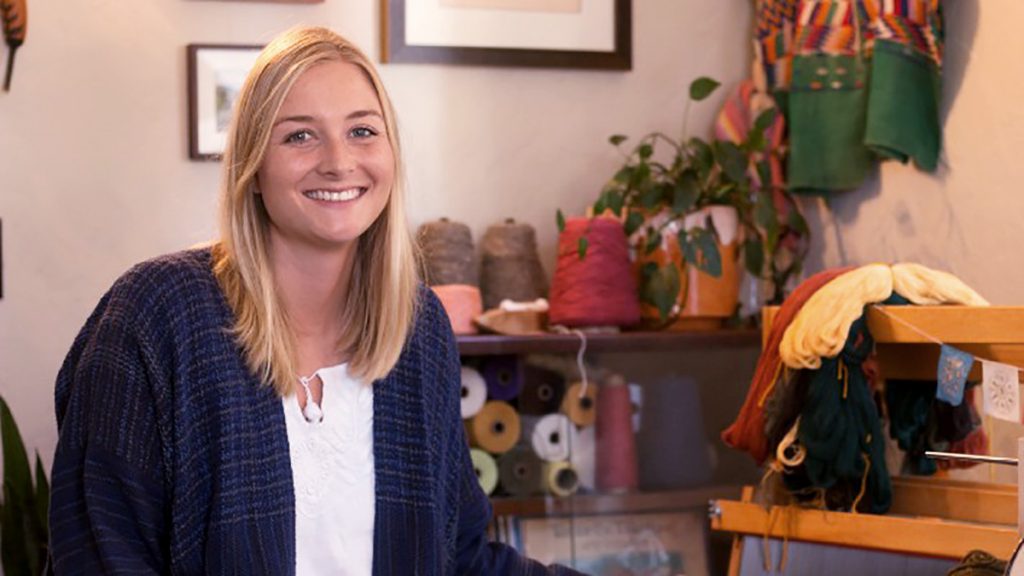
462, 303
581, 409
599, 289
582, 455
559, 479
474, 392
616, 445
510, 266
504, 376
550, 436
520, 471
495, 428
447, 249
486, 469
542, 392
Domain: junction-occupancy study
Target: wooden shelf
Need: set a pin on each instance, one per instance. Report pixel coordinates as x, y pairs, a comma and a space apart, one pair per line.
490, 344
913, 535
590, 504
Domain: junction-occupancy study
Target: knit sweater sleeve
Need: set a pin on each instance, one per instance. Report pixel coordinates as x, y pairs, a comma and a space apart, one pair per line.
107, 512
475, 554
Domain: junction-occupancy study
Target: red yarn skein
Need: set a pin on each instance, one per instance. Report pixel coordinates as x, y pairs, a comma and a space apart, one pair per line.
599, 289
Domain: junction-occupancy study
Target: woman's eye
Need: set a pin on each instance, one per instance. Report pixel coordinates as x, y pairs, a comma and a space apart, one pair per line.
299, 137
363, 132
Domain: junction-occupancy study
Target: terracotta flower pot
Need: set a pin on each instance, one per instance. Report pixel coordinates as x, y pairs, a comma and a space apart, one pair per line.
704, 301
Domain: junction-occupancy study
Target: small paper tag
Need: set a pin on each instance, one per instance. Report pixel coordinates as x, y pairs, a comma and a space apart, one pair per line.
1001, 386
954, 366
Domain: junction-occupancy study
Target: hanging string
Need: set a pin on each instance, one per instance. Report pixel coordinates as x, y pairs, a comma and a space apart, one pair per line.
580, 365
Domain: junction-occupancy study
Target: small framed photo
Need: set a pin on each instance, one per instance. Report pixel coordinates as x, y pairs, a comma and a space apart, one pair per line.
593, 34
216, 73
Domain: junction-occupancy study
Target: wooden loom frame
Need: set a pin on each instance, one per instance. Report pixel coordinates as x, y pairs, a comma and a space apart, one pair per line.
930, 516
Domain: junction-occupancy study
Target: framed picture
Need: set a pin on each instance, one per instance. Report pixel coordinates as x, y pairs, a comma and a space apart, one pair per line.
595, 34
215, 76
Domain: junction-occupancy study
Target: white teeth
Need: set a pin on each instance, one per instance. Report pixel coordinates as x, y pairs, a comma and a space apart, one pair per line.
329, 196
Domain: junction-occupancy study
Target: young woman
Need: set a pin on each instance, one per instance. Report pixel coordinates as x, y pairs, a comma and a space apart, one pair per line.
286, 400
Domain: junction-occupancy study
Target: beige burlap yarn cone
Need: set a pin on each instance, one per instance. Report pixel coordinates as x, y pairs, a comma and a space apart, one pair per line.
510, 266
447, 250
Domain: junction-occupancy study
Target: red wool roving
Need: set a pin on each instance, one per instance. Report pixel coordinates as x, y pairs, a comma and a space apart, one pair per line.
600, 288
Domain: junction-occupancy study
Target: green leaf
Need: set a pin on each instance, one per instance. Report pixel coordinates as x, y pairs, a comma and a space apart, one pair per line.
661, 288
17, 475
614, 201
617, 139
599, 206
645, 151
641, 174
702, 87
581, 247
721, 194
685, 193
764, 172
732, 160
764, 212
753, 255
624, 175
16, 544
709, 259
560, 220
652, 195
633, 222
703, 158
765, 120
653, 240
795, 221
755, 141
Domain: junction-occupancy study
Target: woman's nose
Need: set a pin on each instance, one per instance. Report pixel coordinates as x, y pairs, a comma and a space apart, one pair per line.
336, 158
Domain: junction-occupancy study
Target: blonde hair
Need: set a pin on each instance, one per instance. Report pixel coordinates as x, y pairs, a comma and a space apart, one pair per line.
381, 304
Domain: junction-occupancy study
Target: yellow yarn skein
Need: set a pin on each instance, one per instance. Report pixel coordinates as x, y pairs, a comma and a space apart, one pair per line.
927, 287
821, 327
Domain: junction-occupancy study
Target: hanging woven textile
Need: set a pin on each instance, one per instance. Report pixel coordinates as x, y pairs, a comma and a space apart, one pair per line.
858, 80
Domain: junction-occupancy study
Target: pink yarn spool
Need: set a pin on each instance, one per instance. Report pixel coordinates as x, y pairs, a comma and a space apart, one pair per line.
600, 288
463, 303
616, 446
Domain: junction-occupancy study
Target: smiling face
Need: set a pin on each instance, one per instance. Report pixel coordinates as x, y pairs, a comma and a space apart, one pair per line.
329, 168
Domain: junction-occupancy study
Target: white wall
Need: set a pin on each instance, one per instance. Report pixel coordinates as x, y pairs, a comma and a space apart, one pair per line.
94, 173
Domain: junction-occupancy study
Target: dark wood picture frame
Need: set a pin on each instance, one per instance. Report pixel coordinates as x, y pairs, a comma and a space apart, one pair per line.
199, 148
394, 48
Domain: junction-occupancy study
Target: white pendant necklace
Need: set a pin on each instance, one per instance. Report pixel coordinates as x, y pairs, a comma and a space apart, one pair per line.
312, 411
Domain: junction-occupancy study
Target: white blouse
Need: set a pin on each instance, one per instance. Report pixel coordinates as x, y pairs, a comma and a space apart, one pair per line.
333, 473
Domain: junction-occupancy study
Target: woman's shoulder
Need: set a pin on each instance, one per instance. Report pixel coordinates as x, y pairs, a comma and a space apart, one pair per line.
185, 271
166, 286
431, 317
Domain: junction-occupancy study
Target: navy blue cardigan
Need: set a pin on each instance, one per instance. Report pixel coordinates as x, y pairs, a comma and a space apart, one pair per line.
173, 458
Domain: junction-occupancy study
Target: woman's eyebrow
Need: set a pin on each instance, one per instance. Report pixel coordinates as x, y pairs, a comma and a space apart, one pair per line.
351, 116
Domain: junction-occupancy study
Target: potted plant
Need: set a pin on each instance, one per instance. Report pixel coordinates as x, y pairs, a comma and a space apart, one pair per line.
692, 208
24, 528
